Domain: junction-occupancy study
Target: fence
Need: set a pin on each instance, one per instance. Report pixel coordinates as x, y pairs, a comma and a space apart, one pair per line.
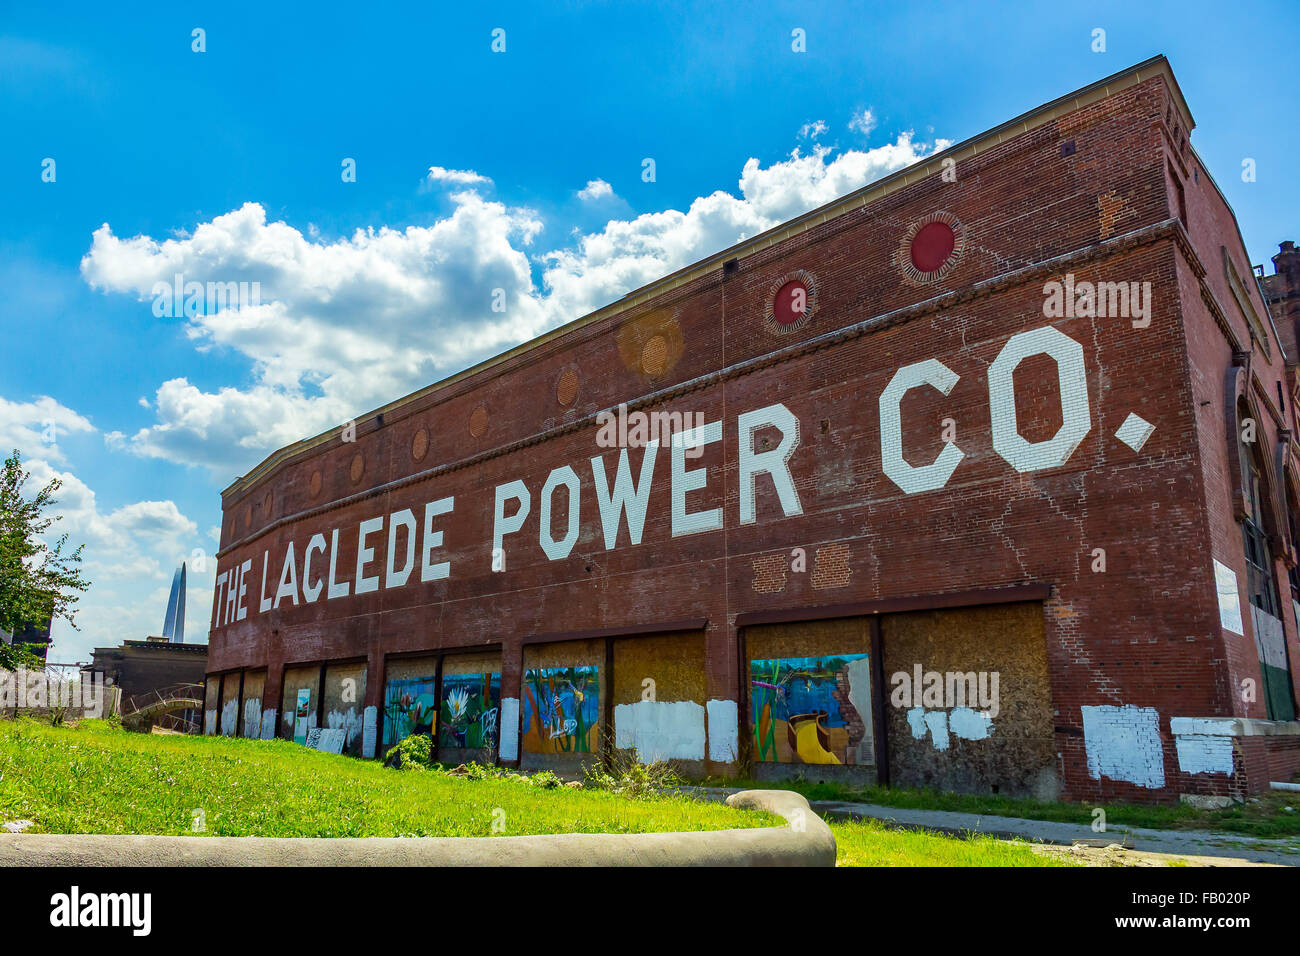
54, 693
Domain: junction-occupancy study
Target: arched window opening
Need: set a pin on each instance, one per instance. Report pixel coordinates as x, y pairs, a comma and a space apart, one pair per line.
1292, 507
1265, 611
1259, 557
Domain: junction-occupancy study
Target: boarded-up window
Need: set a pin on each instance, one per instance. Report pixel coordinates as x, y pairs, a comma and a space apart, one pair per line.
299, 702
345, 697
410, 698
968, 702
659, 698
228, 713
471, 699
810, 696
211, 704
251, 708
560, 704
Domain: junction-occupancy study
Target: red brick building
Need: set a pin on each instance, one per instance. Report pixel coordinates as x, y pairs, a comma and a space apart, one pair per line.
981, 477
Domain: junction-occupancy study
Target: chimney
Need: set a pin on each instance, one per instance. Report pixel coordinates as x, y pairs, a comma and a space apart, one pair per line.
1282, 292
1287, 263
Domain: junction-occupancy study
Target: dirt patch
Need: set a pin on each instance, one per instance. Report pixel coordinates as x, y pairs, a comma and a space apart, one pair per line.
1116, 855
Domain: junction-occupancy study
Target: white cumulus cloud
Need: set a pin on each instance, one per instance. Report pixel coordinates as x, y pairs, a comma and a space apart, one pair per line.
595, 189
813, 129
36, 426
456, 177
863, 121
346, 325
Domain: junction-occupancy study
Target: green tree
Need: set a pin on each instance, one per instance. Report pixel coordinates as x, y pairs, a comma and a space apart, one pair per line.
14, 656
37, 581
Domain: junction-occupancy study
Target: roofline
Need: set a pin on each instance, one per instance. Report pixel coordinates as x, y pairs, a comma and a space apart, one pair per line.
1241, 240
1157, 65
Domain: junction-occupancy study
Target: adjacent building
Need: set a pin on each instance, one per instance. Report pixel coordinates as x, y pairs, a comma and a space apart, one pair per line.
144, 672
981, 477
35, 636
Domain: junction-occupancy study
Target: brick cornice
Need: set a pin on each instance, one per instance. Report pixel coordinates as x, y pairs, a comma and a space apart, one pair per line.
1168, 229
933, 165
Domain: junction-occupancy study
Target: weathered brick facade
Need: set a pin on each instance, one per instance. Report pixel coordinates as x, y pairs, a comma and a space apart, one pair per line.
1083, 463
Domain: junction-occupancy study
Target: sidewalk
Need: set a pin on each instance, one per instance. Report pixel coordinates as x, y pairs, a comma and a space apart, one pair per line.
1202, 843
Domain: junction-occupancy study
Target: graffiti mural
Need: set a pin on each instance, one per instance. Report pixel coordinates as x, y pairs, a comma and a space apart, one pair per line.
410, 707
302, 716
561, 709
812, 709
469, 710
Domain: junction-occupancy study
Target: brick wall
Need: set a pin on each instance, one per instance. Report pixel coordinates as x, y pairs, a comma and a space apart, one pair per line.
1090, 193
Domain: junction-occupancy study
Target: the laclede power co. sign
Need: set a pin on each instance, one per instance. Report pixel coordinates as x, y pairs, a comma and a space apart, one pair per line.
395, 548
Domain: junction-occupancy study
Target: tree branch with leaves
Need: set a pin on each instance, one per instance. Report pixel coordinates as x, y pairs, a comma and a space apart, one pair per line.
38, 581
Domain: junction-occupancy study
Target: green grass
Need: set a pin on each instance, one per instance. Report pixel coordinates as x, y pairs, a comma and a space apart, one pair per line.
870, 843
96, 779
1265, 817
93, 778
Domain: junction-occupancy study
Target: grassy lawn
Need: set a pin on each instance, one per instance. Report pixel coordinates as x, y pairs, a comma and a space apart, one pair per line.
1266, 816
95, 779
870, 843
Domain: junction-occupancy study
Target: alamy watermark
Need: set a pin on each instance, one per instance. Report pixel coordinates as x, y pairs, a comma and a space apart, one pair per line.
945, 689
1105, 300
624, 429
180, 299
38, 690
75, 909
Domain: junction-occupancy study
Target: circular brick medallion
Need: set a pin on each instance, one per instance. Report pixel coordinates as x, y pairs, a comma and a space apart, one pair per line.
420, 445
316, 482
932, 247
654, 356
791, 302
652, 344
478, 421
566, 389
358, 467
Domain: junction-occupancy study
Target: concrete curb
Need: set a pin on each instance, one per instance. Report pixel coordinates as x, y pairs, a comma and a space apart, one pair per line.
805, 841
1195, 843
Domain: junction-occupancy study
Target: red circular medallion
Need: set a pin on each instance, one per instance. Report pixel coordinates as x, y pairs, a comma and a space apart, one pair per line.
791, 303
932, 245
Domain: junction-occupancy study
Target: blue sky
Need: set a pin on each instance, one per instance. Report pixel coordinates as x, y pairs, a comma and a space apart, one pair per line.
476, 171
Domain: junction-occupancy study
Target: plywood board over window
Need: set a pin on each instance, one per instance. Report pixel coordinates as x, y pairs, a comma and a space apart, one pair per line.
228, 714
981, 720
410, 699
658, 696
469, 707
211, 704
296, 719
561, 710
250, 708
345, 697
810, 700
